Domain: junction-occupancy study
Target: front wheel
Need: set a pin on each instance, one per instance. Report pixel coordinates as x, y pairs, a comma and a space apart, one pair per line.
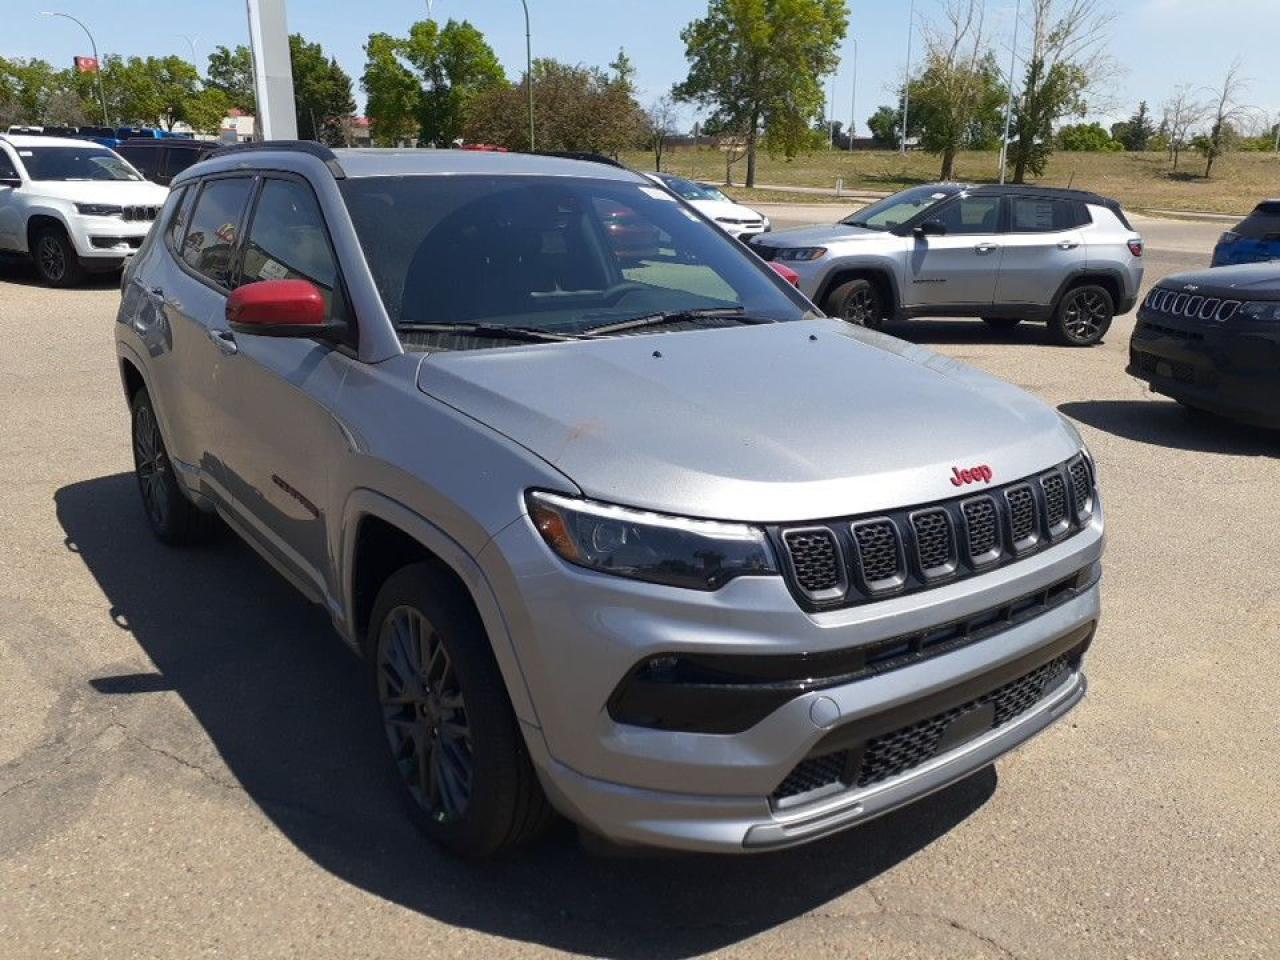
857, 301
454, 738
1083, 317
55, 258
174, 519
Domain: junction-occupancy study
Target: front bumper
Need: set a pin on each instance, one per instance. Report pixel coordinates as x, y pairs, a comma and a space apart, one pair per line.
1224, 368
107, 238
577, 634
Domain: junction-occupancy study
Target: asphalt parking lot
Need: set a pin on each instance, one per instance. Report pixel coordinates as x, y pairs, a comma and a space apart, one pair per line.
188, 765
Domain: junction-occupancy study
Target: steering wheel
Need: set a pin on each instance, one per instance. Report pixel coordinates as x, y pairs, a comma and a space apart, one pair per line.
611, 295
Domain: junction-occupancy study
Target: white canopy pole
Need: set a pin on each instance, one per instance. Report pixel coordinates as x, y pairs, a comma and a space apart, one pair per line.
272, 71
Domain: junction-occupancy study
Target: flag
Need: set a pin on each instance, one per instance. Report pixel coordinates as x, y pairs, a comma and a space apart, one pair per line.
86, 64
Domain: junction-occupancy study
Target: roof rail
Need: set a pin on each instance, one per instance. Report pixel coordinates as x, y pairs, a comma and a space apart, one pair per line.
588, 156
310, 147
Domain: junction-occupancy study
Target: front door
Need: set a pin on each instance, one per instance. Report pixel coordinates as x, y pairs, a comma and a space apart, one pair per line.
281, 443
959, 267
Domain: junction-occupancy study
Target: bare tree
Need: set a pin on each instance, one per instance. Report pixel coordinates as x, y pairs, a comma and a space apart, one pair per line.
1227, 112
1067, 74
660, 119
1182, 113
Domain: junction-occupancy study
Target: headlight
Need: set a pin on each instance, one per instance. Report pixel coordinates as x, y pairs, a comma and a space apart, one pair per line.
698, 554
100, 209
1259, 311
800, 253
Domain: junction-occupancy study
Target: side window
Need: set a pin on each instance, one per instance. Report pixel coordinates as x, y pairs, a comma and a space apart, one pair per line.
142, 158
210, 242
1039, 215
971, 215
7, 169
177, 225
178, 160
287, 240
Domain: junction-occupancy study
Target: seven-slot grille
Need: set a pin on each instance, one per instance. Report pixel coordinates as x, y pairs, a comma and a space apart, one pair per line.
895, 753
1191, 306
140, 213
913, 549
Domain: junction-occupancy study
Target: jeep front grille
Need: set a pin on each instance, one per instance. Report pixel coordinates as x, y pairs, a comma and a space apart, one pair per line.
140, 213
847, 561
1193, 307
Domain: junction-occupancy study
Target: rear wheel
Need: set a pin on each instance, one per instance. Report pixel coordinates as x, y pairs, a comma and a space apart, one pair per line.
174, 519
857, 301
55, 257
1001, 324
454, 738
1083, 317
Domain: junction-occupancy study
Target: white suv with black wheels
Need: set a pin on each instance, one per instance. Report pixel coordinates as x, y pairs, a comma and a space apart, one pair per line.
72, 206
1003, 253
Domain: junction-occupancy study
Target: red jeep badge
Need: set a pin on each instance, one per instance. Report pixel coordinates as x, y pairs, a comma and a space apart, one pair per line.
979, 474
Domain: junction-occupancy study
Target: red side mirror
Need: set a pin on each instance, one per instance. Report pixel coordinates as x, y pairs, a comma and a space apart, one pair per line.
785, 272
277, 308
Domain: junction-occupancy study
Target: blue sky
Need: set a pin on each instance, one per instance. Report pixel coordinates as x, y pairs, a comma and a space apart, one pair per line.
1159, 43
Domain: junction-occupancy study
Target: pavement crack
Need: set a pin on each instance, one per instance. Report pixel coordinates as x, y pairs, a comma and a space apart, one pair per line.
56, 765
980, 936
182, 761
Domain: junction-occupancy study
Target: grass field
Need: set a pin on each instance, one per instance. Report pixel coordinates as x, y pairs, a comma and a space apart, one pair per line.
1140, 181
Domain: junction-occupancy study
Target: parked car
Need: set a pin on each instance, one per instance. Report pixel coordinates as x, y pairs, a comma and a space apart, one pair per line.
1255, 238
72, 206
733, 218
162, 160
615, 540
1211, 341
1002, 253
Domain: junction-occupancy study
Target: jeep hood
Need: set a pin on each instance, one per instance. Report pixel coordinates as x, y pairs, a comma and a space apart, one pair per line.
1245, 281
778, 422
818, 236
122, 192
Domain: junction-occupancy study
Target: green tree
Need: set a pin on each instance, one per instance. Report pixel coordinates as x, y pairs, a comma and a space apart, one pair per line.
1067, 61
205, 110
885, 126
1086, 138
453, 63
958, 99
231, 71
321, 92
392, 90
1225, 113
1138, 131
26, 88
576, 108
758, 66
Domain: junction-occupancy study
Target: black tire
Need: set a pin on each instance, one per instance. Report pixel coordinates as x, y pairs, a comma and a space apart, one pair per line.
1001, 324
473, 790
55, 258
1083, 316
174, 519
857, 301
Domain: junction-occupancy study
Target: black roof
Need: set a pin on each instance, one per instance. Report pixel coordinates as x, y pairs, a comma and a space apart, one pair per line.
1048, 193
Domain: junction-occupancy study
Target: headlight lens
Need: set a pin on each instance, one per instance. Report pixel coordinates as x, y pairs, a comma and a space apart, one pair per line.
1259, 311
100, 209
697, 554
800, 253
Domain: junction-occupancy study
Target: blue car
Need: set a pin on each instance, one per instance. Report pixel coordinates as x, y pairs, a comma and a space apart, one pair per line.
1253, 239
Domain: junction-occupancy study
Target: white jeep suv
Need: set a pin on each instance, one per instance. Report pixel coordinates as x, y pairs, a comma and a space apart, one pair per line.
72, 206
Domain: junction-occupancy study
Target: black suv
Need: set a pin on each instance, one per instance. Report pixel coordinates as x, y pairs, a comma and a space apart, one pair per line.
160, 160
1211, 340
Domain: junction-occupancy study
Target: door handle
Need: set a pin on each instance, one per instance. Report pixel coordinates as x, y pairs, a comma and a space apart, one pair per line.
1067, 244
983, 248
157, 292
225, 341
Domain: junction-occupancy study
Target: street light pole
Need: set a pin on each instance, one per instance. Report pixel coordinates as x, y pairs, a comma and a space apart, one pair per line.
853, 96
906, 85
528, 68
102, 97
1008, 110
831, 116
192, 44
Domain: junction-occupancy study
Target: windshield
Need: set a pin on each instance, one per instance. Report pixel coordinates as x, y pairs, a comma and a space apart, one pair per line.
89, 162
558, 255
896, 210
687, 188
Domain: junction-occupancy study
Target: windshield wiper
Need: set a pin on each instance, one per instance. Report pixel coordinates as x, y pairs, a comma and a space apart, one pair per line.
490, 331
674, 316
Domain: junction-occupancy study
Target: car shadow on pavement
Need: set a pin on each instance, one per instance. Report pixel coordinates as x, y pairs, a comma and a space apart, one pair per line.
1165, 423
968, 331
284, 703
20, 271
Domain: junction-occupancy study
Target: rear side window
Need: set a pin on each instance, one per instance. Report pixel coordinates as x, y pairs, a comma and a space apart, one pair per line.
146, 159
178, 160
177, 227
7, 169
1044, 215
1262, 224
210, 241
287, 240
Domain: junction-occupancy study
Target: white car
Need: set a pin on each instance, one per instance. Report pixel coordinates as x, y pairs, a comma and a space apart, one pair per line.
72, 206
733, 218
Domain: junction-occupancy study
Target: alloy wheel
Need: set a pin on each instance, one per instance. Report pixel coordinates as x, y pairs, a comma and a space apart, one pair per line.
53, 259
152, 466
860, 307
424, 714
1086, 316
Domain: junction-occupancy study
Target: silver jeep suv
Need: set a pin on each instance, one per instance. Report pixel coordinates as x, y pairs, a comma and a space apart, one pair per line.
1002, 253
622, 527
